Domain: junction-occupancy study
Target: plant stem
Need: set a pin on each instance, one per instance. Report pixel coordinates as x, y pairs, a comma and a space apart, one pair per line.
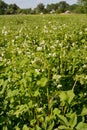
74, 85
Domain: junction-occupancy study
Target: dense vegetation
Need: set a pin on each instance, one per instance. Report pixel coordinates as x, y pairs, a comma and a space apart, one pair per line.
61, 7
43, 72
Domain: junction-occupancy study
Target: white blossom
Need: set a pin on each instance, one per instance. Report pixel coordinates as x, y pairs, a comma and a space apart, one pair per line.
85, 29
56, 77
13, 40
37, 71
84, 66
80, 33
42, 42
39, 48
59, 86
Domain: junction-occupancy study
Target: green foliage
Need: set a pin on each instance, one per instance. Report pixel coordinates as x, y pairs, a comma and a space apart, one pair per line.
83, 5
61, 7
39, 8
43, 72
3, 7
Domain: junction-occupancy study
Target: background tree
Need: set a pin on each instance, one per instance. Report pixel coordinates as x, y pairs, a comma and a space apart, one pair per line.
40, 8
74, 8
83, 4
3, 7
25, 11
51, 7
63, 6
12, 9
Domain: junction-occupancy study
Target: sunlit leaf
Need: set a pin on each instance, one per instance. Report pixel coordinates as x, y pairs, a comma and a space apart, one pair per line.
25, 127
84, 111
73, 120
81, 126
63, 120
51, 126
42, 82
56, 111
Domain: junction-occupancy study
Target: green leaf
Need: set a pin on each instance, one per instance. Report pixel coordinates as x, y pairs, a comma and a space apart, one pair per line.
70, 96
83, 41
32, 122
17, 128
24, 82
84, 111
42, 82
66, 96
44, 125
25, 127
51, 126
63, 127
56, 111
30, 104
47, 119
63, 120
3, 88
73, 120
36, 93
21, 109
81, 126
38, 128
63, 96
13, 93
5, 128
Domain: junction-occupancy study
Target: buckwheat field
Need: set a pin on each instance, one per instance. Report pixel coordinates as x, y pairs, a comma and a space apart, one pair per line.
43, 72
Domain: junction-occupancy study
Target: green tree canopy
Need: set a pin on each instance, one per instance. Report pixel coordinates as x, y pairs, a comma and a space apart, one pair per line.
63, 6
83, 3
12, 9
39, 8
3, 7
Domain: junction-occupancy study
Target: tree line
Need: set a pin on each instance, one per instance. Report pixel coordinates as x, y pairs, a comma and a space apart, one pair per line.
61, 7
